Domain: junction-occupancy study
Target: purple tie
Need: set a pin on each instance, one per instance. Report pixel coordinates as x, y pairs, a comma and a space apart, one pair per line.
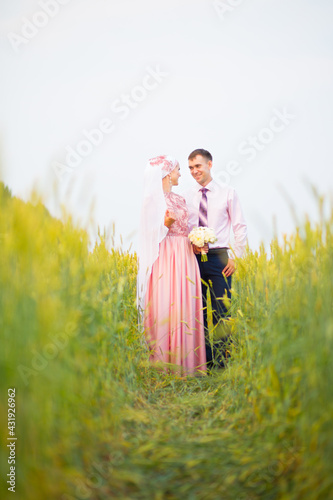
203, 220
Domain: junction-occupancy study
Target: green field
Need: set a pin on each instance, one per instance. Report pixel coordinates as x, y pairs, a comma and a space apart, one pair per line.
95, 421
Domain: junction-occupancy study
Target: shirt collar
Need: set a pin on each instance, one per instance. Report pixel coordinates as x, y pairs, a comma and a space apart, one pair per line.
210, 186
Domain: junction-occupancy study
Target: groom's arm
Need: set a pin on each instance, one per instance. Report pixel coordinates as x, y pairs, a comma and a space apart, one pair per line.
238, 224
193, 211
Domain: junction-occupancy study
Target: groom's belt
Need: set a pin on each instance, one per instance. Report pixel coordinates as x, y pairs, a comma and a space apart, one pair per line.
219, 250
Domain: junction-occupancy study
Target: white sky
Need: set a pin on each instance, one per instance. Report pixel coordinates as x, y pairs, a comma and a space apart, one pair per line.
226, 75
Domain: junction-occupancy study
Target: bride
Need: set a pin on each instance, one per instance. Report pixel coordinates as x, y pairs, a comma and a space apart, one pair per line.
169, 286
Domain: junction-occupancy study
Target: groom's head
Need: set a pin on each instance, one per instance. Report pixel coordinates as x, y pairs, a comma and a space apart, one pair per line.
200, 163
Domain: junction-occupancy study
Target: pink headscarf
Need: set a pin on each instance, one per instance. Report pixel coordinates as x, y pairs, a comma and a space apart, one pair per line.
165, 163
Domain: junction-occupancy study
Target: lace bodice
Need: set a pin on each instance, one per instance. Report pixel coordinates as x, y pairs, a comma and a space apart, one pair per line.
177, 204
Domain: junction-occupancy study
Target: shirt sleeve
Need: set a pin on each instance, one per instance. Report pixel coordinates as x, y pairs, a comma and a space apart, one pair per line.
238, 224
189, 197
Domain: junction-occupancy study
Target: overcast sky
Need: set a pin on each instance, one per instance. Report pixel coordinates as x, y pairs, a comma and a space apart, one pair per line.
251, 81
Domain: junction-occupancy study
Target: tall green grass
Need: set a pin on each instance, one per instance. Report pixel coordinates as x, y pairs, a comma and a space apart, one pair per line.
96, 421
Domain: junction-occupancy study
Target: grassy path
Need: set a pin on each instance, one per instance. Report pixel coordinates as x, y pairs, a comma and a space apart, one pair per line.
95, 421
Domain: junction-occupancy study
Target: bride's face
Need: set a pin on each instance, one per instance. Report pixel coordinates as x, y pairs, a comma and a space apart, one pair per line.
175, 174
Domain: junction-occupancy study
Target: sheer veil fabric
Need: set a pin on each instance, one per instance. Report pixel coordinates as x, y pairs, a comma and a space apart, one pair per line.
152, 229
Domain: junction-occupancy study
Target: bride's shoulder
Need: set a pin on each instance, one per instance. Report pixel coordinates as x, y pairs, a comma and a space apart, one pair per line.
178, 197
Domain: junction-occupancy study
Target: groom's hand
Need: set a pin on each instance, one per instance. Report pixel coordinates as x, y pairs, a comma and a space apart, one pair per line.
229, 268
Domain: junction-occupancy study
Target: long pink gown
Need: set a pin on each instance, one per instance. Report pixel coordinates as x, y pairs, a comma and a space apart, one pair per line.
173, 304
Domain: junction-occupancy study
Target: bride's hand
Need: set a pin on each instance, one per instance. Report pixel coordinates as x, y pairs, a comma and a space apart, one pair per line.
197, 250
169, 218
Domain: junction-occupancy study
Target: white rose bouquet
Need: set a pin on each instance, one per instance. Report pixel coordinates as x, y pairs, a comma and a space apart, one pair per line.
199, 236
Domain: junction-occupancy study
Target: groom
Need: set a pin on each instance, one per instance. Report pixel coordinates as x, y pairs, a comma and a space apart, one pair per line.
217, 206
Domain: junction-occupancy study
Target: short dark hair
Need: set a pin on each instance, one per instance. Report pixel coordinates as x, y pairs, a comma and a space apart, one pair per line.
203, 152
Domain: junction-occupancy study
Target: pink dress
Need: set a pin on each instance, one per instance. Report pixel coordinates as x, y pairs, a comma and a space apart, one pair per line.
173, 304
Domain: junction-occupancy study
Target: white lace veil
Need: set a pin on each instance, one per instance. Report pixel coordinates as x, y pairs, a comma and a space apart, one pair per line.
152, 229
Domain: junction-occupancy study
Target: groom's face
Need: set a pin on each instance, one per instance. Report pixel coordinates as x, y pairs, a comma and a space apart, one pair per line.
200, 169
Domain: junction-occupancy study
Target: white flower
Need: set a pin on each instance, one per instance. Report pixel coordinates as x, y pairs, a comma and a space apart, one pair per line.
199, 236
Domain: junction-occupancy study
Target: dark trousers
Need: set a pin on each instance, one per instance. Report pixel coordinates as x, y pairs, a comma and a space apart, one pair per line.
219, 285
